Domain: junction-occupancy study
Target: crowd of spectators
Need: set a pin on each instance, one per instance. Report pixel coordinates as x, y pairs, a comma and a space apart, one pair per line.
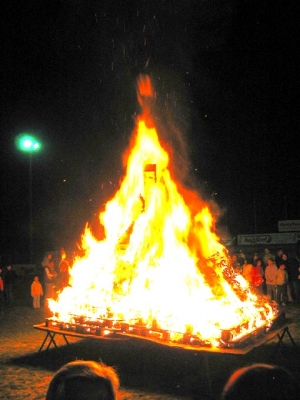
49, 278
275, 275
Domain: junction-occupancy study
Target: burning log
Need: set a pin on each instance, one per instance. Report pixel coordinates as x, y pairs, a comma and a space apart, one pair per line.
237, 337
112, 328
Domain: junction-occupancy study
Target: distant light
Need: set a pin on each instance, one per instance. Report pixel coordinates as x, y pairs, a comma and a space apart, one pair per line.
27, 142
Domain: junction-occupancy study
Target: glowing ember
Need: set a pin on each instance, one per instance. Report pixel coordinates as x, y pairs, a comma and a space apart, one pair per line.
160, 266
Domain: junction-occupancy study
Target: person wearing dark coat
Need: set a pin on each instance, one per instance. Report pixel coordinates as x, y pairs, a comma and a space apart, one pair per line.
10, 277
1, 293
295, 277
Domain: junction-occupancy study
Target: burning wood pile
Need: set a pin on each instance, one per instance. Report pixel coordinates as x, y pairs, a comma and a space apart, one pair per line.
152, 274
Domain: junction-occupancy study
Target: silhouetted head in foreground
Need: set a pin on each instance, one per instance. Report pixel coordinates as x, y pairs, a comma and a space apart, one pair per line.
84, 380
261, 382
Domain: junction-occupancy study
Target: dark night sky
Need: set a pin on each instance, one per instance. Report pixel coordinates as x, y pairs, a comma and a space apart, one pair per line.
226, 78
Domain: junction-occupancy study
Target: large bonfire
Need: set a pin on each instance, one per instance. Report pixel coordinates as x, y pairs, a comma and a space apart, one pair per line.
160, 264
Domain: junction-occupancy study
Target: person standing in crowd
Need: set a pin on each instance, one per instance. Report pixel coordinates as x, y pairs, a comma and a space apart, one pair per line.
270, 275
255, 257
282, 282
1, 293
267, 256
46, 259
235, 263
278, 257
294, 278
10, 277
282, 258
241, 258
84, 380
45, 264
49, 281
247, 271
258, 276
286, 261
63, 277
36, 292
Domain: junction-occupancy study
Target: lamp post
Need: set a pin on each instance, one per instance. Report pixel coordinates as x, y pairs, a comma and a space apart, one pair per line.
29, 144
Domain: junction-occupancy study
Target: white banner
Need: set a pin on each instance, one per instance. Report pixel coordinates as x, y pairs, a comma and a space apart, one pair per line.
291, 225
268, 238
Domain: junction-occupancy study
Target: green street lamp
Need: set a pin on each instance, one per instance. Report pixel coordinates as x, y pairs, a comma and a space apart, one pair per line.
29, 144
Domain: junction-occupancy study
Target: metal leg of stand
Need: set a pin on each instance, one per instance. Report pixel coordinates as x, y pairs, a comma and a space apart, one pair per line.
49, 336
280, 344
290, 336
51, 340
281, 336
66, 340
205, 376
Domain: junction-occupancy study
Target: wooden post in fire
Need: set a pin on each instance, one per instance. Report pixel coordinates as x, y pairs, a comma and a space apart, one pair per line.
149, 182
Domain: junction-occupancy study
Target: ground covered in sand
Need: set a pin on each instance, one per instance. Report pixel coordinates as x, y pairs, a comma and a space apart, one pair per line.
147, 370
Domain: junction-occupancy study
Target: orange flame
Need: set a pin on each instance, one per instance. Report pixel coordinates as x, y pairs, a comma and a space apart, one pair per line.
155, 263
